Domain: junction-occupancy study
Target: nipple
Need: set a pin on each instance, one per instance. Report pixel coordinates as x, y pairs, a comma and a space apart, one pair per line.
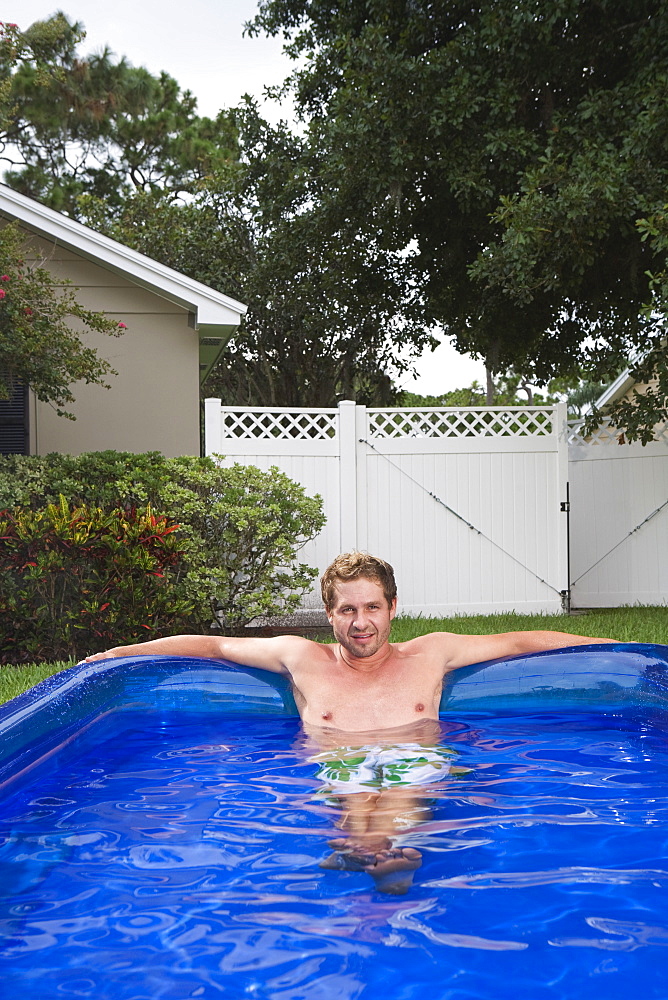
419, 707
326, 715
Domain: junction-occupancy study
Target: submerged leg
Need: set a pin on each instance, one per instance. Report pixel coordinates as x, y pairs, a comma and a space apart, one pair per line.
372, 821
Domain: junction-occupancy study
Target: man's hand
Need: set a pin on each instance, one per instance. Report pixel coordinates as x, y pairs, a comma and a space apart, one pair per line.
108, 654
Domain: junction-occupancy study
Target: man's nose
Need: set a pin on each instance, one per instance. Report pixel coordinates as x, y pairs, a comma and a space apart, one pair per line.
361, 620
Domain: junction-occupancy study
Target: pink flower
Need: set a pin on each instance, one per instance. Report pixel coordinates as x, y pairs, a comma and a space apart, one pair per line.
122, 326
4, 277
2, 293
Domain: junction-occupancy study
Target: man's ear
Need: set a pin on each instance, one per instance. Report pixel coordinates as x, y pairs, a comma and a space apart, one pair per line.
329, 614
393, 608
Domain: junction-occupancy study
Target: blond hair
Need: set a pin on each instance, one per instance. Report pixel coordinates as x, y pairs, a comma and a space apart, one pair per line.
352, 566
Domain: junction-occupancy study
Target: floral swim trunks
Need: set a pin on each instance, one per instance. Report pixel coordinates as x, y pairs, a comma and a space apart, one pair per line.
357, 769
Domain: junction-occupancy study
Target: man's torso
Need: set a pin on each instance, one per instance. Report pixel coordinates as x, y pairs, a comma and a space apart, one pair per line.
402, 689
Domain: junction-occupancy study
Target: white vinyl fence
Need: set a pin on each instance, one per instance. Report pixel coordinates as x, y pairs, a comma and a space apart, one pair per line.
619, 519
467, 504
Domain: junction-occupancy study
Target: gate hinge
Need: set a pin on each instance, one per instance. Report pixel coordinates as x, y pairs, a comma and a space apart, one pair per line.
565, 506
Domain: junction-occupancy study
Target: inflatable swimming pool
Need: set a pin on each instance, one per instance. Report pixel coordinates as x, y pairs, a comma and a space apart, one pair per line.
161, 830
599, 676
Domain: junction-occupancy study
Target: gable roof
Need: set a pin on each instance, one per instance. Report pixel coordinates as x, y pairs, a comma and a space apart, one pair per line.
215, 316
616, 389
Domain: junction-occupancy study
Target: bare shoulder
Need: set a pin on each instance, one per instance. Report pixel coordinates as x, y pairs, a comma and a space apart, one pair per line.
436, 646
298, 649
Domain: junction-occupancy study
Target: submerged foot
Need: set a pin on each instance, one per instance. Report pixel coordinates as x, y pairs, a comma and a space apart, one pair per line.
393, 869
348, 856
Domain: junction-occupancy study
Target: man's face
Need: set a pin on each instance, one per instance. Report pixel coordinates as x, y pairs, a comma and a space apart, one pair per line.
360, 616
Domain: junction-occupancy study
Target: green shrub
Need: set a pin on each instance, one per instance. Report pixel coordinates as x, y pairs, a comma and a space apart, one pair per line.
75, 578
240, 528
244, 527
99, 479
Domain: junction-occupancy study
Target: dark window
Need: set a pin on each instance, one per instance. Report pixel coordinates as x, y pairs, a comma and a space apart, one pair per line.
14, 439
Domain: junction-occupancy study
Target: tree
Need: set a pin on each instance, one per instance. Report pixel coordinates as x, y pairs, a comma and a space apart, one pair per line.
117, 148
73, 125
510, 150
38, 346
510, 390
326, 317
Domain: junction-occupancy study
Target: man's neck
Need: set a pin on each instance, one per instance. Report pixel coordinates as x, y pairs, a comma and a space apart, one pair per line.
364, 664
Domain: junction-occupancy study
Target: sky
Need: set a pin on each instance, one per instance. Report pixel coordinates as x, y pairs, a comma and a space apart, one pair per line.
201, 44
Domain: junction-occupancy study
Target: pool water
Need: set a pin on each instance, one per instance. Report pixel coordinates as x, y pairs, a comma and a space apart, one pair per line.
176, 856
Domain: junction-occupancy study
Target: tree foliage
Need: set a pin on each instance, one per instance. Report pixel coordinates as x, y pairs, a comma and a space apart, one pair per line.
39, 345
71, 124
116, 147
328, 315
514, 148
646, 407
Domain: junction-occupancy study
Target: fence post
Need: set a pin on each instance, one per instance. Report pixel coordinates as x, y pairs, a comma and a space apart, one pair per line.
213, 442
361, 433
561, 427
347, 476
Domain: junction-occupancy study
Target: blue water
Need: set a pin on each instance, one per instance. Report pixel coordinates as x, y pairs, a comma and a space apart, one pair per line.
177, 856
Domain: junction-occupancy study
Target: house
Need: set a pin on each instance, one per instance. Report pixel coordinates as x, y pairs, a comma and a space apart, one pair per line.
622, 389
177, 328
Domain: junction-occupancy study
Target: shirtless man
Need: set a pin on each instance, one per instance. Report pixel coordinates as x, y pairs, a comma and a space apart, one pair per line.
364, 693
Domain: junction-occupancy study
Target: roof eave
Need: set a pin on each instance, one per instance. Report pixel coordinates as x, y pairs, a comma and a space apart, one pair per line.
211, 309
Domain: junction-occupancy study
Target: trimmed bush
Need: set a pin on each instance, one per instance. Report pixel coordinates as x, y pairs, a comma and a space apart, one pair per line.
244, 528
240, 528
104, 479
74, 578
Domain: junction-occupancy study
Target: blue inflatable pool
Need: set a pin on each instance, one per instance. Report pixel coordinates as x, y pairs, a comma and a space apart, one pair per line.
599, 676
163, 824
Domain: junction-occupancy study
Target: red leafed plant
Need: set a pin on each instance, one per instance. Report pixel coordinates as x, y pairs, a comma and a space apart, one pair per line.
77, 579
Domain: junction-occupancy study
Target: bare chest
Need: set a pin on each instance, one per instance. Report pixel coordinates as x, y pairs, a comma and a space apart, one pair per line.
394, 695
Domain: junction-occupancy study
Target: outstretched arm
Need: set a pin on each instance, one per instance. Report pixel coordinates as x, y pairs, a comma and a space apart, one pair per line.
465, 649
273, 654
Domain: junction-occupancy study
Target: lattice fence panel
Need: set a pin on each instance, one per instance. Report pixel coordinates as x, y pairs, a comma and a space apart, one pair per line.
527, 421
606, 433
279, 425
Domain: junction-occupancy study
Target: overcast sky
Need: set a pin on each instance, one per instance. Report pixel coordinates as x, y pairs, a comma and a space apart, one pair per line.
201, 44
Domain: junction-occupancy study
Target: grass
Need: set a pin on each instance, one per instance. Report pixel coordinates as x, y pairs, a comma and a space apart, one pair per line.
14, 680
632, 624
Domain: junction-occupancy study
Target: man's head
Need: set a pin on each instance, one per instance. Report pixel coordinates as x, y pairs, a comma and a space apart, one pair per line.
359, 593
352, 566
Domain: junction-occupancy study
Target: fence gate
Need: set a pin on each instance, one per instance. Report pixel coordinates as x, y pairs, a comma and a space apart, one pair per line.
465, 503
619, 519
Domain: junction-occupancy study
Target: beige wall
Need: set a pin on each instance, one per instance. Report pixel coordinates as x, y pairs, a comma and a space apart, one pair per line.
153, 402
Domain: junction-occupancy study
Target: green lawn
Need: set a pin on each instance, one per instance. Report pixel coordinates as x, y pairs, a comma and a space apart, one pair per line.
637, 624
14, 680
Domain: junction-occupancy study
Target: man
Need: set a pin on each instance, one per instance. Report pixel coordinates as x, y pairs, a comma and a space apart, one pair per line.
370, 706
